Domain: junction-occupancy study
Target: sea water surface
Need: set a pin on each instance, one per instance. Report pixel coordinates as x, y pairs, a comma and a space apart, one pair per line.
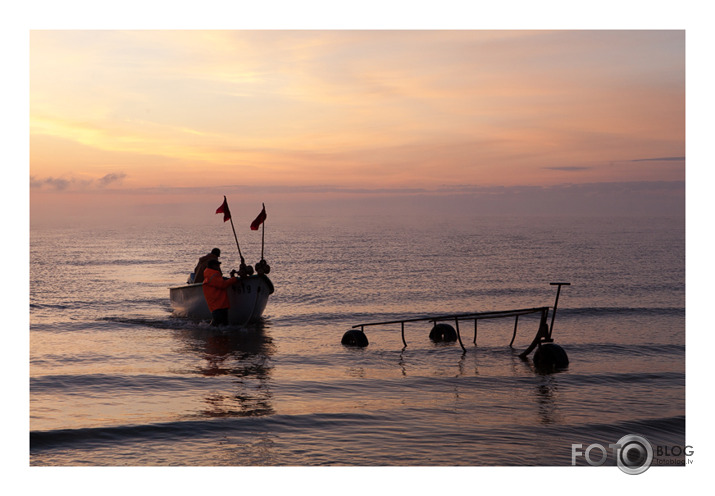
117, 380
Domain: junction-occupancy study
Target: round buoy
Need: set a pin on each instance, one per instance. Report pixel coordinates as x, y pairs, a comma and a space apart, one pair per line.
245, 270
354, 337
443, 332
550, 356
262, 267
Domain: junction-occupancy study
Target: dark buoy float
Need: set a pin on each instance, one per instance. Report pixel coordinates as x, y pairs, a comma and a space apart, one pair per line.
354, 337
550, 356
443, 332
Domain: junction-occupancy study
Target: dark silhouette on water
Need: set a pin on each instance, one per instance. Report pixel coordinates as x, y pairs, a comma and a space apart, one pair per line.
548, 356
202, 264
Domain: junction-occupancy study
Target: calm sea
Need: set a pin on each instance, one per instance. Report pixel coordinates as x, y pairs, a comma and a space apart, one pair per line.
117, 380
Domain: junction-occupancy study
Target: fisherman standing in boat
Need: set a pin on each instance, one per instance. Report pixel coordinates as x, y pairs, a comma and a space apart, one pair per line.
203, 263
215, 288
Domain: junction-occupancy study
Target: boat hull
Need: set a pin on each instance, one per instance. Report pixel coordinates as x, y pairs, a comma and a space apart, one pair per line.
248, 299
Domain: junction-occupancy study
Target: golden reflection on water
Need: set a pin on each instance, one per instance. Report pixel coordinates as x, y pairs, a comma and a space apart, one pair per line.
243, 358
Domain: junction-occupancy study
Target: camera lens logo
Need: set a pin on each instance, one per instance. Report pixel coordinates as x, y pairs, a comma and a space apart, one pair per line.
634, 454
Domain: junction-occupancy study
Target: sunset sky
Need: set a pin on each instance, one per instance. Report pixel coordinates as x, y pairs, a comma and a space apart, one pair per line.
137, 120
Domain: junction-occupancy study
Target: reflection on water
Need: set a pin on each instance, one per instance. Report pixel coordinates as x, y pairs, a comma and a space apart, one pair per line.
546, 398
241, 355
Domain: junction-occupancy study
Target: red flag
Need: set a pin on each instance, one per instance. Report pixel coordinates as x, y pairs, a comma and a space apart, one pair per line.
223, 209
259, 220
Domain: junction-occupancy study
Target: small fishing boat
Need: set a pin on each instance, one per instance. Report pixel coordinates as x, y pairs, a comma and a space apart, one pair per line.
248, 298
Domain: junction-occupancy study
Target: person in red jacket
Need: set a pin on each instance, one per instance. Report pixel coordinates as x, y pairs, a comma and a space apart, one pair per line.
216, 292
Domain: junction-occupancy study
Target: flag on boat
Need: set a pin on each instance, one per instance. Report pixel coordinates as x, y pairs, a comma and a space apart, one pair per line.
259, 220
223, 209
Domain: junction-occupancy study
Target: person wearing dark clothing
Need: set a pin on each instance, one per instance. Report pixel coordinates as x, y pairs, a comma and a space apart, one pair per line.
203, 263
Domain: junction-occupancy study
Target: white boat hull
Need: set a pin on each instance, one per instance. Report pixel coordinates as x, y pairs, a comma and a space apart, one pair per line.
248, 299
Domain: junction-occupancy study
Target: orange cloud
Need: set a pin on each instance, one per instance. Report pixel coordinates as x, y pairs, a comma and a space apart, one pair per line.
355, 108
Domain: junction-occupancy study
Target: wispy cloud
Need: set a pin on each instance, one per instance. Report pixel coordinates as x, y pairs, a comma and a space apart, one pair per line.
326, 190
58, 184
662, 159
111, 178
567, 168
73, 183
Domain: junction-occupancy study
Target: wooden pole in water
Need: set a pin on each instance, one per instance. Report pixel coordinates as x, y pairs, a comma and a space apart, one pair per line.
513, 336
558, 291
456, 324
541, 334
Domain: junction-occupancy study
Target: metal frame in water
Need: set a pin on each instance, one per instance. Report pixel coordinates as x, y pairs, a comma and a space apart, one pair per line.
543, 335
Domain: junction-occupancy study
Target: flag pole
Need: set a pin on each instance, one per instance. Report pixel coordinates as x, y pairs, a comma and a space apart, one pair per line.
236, 238
227, 213
262, 266
263, 233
